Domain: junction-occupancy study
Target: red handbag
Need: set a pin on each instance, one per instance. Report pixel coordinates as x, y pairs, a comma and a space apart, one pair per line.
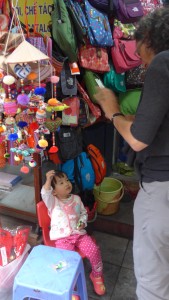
93, 58
124, 55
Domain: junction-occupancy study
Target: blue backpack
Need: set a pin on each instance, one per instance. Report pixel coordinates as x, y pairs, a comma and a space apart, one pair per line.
68, 168
103, 5
97, 22
80, 170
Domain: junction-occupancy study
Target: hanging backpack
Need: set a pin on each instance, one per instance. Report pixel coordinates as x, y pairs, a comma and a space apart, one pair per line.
68, 168
103, 5
80, 171
84, 172
99, 32
69, 142
98, 163
63, 31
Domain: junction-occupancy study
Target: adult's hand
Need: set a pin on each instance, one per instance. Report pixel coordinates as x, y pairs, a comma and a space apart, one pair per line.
108, 101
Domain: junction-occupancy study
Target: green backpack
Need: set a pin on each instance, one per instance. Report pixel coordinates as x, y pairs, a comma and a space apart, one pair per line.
63, 31
129, 101
92, 81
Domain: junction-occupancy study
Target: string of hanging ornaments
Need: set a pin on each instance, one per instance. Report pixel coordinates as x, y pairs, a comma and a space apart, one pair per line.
25, 118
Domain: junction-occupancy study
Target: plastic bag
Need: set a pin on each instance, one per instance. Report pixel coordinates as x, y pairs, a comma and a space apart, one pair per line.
12, 243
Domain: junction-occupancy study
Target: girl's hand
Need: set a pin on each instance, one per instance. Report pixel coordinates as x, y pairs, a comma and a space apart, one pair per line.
80, 225
50, 175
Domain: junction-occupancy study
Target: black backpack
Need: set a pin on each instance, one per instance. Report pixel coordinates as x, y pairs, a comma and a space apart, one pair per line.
69, 142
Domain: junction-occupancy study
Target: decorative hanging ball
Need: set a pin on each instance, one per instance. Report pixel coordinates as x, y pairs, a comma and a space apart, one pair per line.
31, 150
40, 91
1, 74
53, 102
42, 142
10, 107
24, 169
25, 153
13, 150
16, 158
22, 124
32, 76
53, 149
1, 129
32, 163
7, 155
54, 79
8, 79
23, 99
12, 136
9, 121
22, 71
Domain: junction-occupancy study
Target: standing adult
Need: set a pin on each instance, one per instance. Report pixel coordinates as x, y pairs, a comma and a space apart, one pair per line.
148, 135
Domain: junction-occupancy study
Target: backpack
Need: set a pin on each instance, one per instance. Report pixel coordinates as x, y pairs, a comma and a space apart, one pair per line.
103, 5
79, 26
84, 172
80, 171
69, 142
98, 163
99, 32
63, 31
68, 168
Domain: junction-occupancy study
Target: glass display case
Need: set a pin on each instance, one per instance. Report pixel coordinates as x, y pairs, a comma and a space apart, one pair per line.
20, 200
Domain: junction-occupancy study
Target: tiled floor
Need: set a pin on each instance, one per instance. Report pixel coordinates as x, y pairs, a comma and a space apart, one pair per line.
118, 268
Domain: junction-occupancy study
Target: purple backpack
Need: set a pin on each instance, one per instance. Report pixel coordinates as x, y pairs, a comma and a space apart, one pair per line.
128, 11
103, 5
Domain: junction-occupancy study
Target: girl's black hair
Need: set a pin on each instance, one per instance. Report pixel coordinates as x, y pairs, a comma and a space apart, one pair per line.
59, 174
153, 30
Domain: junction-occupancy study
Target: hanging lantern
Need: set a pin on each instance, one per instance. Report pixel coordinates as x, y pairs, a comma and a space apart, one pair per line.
10, 107
8, 79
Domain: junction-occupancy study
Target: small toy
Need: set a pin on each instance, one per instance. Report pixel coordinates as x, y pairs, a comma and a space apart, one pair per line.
60, 265
79, 224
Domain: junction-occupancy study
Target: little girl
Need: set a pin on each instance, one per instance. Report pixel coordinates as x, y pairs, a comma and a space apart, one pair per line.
68, 220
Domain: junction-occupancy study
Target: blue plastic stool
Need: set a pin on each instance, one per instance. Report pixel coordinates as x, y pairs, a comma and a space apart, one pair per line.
50, 273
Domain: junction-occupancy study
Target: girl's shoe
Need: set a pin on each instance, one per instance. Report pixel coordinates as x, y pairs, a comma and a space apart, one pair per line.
75, 297
98, 285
